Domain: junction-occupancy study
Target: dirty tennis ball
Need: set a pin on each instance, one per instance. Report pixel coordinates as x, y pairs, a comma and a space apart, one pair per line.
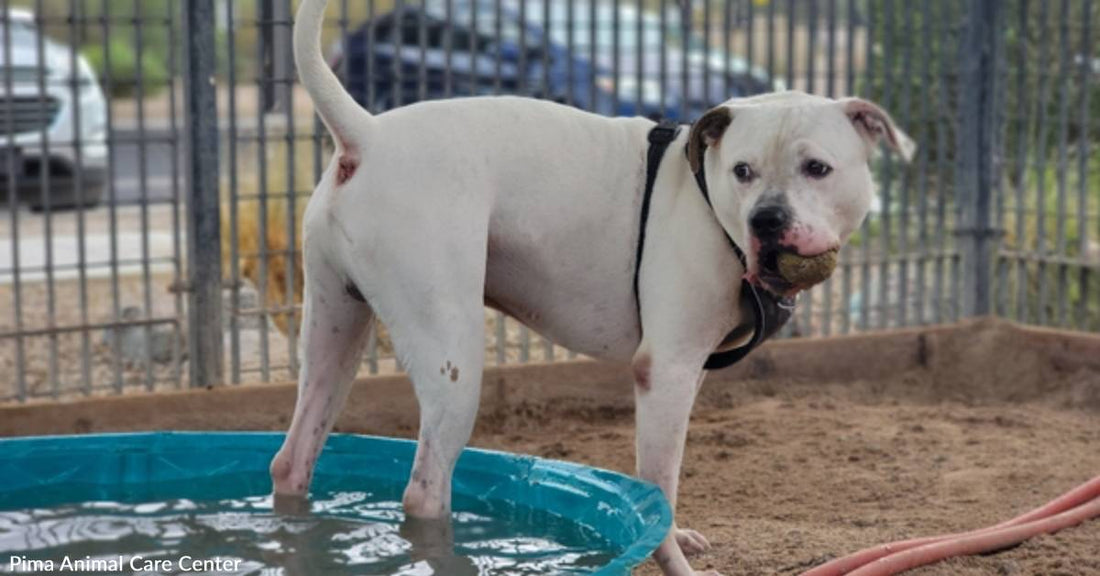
806, 270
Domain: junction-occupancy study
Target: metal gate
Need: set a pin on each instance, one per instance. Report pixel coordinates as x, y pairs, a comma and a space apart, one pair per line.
179, 133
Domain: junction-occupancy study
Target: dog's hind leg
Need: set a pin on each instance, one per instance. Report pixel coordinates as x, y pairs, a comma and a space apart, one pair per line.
335, 329
438, 329
444, 361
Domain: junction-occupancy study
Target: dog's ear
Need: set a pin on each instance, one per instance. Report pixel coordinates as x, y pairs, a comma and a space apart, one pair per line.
707, 131
875, 125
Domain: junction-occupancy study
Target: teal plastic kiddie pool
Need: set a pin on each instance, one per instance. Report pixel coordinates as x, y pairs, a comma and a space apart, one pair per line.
200, 502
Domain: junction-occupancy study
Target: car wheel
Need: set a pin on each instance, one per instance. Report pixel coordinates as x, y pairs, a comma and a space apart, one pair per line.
65, 197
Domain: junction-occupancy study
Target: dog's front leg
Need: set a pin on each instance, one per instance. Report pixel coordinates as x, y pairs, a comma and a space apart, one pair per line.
665, 389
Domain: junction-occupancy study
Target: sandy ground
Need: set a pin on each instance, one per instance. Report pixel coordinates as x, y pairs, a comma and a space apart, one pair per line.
938, 430
781, 477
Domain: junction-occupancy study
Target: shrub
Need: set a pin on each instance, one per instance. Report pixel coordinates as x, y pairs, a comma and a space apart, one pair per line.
1064, 280
123, 67
270, 273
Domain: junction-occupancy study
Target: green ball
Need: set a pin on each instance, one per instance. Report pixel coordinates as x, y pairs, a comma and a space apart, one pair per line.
803, 271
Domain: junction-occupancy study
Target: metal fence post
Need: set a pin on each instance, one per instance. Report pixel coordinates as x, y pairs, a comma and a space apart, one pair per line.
976, 147
203, 216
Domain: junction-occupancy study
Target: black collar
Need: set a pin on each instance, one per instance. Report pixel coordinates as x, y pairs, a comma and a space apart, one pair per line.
771, 311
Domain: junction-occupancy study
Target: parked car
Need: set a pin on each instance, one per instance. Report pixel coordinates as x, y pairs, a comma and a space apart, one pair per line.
48, 95
383, 62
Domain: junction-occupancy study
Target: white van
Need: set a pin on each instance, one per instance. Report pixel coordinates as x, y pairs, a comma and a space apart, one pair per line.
52, 119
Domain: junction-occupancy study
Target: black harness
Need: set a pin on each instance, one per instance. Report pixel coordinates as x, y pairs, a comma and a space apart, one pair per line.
771, 311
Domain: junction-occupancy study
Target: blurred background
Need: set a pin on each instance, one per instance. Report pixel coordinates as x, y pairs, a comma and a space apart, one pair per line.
998, 216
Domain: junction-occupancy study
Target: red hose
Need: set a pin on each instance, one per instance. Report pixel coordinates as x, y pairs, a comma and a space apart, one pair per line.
977, 543
958, 544
1071, 499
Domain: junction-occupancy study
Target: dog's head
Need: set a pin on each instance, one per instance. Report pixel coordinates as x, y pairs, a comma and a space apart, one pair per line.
789, 172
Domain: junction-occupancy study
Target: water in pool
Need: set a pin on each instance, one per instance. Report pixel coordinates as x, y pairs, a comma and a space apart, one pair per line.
343, 531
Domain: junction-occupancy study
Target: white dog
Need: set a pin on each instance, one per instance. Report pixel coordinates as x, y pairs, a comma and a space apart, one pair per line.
429, 212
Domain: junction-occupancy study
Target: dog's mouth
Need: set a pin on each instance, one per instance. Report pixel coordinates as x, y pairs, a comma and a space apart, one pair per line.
783, 271
767, 275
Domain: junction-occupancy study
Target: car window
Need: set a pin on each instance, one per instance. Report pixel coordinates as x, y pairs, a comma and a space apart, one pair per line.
22, 33
405, 29
462, 12
653, 34
408, 23
652, 37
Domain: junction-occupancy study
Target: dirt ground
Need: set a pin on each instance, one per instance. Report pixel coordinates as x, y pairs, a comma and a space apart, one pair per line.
783, 476
806, 451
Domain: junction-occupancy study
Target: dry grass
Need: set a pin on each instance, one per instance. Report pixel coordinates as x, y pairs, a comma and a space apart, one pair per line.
269, 246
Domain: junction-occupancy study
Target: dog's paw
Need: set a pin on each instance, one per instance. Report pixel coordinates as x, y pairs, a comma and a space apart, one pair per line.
287, 480
692, 542
290, 505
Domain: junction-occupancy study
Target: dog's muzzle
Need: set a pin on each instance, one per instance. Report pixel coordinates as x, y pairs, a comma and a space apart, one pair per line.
770, 221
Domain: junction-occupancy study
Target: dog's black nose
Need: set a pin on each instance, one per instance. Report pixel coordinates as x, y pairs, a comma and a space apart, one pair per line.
769, 221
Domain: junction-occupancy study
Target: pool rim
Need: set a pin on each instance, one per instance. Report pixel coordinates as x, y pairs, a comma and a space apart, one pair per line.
648, 510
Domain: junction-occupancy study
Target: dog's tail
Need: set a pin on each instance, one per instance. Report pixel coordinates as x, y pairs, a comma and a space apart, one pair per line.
336, 107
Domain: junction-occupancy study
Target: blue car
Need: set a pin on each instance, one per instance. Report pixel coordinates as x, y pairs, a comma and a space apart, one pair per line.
451, 48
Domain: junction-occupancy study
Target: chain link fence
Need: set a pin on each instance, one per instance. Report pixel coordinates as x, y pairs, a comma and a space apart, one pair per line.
156, 158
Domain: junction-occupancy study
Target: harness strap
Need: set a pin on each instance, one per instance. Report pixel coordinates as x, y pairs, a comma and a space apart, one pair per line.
771, 314
701, 181
659, 138
764, 306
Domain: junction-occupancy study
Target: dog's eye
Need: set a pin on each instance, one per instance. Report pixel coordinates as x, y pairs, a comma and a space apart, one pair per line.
743, 172
816, 169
